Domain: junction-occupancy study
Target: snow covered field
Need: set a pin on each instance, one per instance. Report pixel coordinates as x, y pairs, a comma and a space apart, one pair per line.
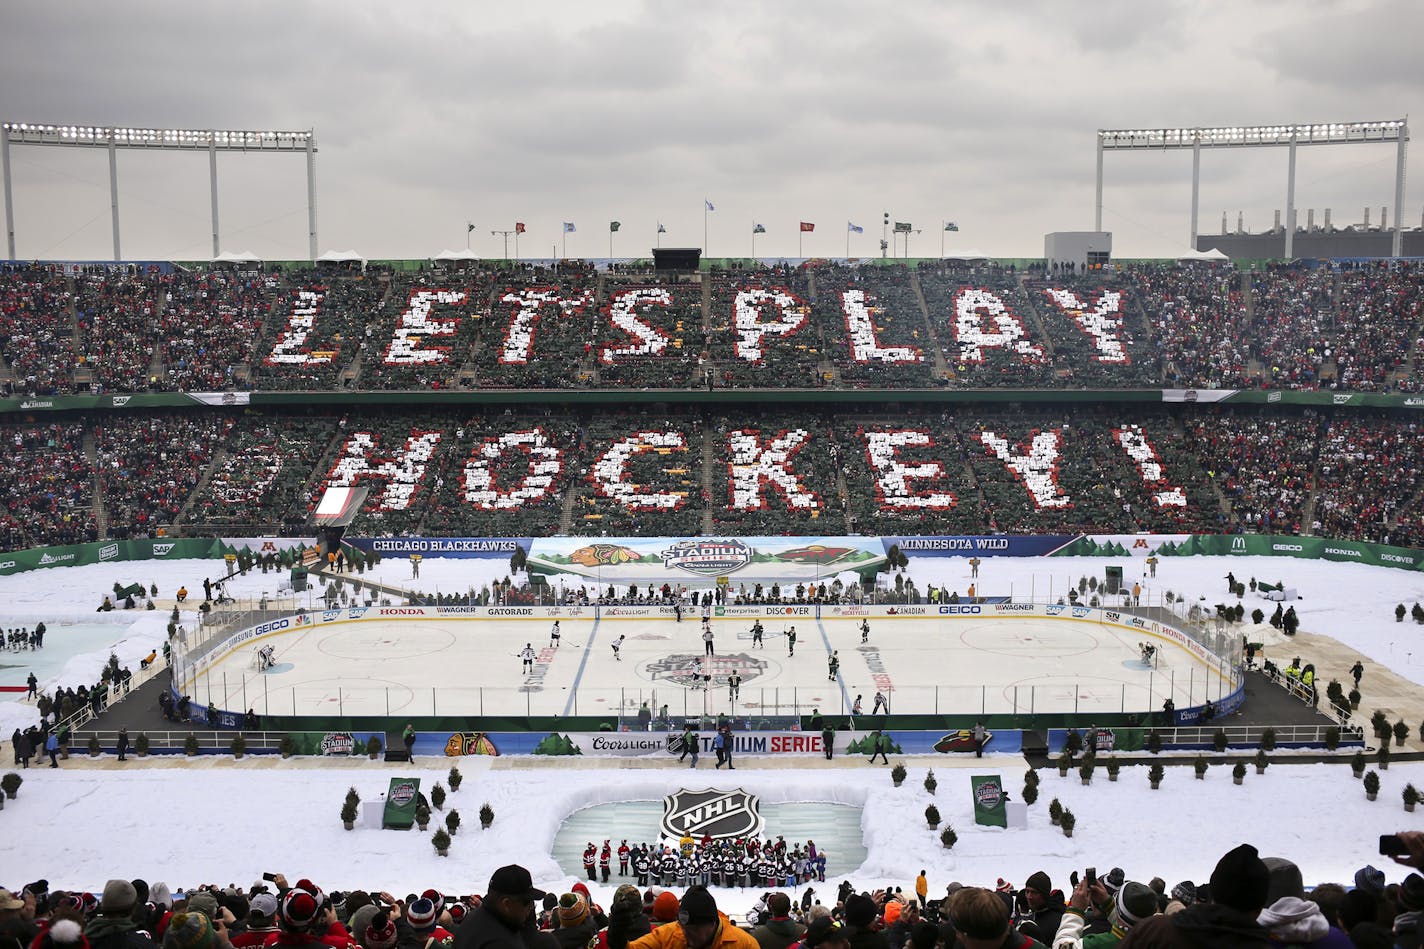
222, 821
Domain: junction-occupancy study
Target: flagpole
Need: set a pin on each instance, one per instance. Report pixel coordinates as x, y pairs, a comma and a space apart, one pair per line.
942, 228
564, 244
798, 242
847, 240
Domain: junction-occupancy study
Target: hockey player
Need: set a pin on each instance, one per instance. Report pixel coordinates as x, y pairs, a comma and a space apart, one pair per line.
734, 687
833, 665
605, 860
590, 860
880, 702
865, 630
791, 641
623, 853
855, 706
617, 645
526, 655
757, 632
640, 867
554, 635
707, 637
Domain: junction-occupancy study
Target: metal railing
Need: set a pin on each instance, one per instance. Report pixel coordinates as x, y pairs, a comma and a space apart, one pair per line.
167, 742
1239, 736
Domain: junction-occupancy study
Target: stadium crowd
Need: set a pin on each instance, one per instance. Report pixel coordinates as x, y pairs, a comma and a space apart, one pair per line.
1246, 901
504, 472
568, 325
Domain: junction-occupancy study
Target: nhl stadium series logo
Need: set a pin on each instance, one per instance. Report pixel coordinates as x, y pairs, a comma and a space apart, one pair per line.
688, 670
337, 743
403, 793
989, 795
711, 812
708, 558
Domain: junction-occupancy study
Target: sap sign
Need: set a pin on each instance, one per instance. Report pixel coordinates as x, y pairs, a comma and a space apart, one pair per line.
960, 610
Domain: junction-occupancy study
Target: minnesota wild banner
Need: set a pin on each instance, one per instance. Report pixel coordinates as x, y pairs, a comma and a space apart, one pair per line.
400, 803
989, 800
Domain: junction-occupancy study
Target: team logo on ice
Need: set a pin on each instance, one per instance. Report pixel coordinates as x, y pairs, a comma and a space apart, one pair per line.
707, 558
692, 671
711, 812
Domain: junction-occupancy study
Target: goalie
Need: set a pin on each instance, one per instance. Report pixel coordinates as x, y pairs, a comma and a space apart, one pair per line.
266, 657
1149, 653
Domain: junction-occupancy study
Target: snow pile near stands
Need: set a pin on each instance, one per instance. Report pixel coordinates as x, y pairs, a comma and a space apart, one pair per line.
79, 828
68, 825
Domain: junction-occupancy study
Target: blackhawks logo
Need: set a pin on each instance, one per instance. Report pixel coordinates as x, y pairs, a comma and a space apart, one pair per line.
690, 670
712, 812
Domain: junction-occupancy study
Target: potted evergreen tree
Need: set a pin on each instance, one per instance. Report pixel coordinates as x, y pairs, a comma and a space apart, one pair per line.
1113, 768
141, 745
452, 822
287, 746
897, 773
1411, 797
930, 782
1382, 757
1030, 794
1154, 742
1218, 740
190, 745
1332, 737
1154, 775
373, 747
441, 840
238, 746
10, 784
455, 778
1238, 772
1068, 821
422, 815
1199, 765
1357, 763
1401, 732
1055, 812
932, 816
948, 837
95, 749
1268, 739
486, 816
1371, 785
1065, 761
1262, 761
1085, 771
437, 796
349, 809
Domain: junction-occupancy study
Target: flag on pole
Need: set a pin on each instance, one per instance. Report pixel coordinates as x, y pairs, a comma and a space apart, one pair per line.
569, 227
613, 226
807, 227
661, 229
854, 228
469, 229
519, 227
902, 227
758, 229
951, 226
709, 204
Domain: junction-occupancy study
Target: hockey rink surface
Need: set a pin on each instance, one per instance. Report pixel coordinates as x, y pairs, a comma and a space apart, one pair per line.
940, 665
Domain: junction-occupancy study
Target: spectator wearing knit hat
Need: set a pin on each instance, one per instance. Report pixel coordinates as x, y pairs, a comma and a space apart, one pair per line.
1045, 906
628, 906
114, 926
575, 927
422, 929
1239, 886
1132, 903
193, 930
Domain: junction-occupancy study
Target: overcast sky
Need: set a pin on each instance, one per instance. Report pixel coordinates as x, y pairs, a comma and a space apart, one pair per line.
435, 114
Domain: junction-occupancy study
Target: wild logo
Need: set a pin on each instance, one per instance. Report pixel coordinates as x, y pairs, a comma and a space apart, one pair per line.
708, 558
692, 671
403, 793
712, 812
337, 743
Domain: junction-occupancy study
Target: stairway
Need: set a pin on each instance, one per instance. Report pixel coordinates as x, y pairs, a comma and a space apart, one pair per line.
214, 464
91, 455
941, 367
708, 462
566, 513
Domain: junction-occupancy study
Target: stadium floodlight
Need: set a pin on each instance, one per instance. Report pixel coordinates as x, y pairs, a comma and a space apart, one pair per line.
113, 138
1394, 131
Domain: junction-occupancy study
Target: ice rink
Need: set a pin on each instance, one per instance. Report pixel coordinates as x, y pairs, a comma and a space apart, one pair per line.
940, 665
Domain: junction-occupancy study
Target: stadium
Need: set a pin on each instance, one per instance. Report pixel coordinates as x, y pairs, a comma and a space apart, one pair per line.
933, 552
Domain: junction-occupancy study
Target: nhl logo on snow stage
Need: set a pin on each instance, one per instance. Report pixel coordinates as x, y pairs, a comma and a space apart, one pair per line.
688, 670
711, 812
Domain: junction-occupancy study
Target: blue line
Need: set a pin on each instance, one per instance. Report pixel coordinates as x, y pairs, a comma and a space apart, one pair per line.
578, 677
840, 679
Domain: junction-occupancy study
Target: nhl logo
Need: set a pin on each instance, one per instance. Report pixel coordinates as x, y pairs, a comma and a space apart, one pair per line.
711, 812
693, 671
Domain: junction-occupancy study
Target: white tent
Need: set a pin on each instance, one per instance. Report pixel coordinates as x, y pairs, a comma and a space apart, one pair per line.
446, 256
341, 257
237, 257
964, 255
1209, 256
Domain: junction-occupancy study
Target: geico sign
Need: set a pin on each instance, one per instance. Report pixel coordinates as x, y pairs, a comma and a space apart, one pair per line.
269, 627
959, 610
1293, 547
